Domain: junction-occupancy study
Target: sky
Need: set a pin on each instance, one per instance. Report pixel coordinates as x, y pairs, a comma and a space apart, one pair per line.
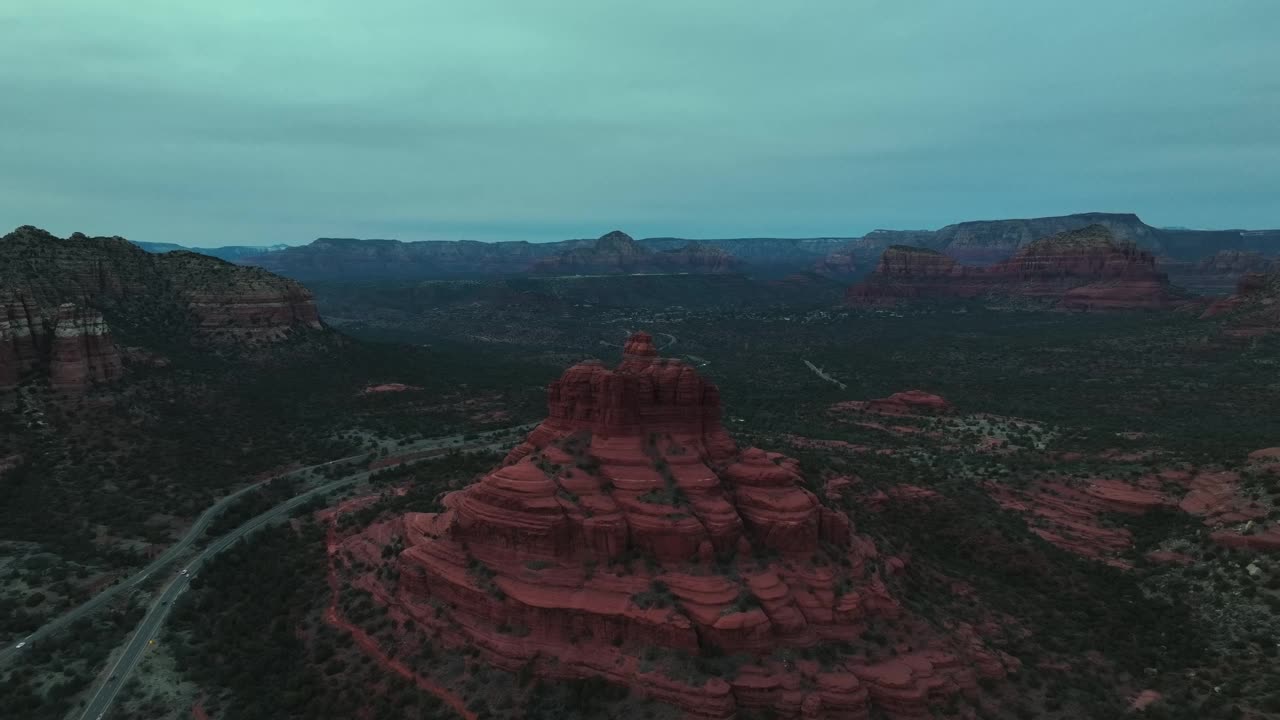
251, 122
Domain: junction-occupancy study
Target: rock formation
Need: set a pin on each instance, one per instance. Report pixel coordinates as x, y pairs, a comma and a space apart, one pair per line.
629, 535
71, 347
1218, 274
1254, 309
214, 301
910, 402
81, 351
912, 273
986, 242
244, 304
1086, 269
617, 253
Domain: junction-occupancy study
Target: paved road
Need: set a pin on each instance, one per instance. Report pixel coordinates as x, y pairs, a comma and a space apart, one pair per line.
10, 651
148, 629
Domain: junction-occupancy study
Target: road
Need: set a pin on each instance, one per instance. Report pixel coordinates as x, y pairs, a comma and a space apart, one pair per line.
195, 533
149, 627
10, 651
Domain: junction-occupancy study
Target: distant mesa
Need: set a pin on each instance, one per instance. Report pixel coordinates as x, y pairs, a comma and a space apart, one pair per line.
230, 253
1220, 273
63, 298
983, 242
988, 242
629, 534
618, 253
1085, 269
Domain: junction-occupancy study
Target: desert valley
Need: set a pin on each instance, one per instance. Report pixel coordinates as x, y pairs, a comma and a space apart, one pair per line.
1004, 475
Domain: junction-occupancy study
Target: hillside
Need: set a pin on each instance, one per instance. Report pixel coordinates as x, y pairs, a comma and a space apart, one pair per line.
70, 305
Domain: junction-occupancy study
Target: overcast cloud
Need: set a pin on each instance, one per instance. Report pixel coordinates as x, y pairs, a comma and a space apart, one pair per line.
263, 121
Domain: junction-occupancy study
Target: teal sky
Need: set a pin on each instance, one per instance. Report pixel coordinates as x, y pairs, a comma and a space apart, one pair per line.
253, 122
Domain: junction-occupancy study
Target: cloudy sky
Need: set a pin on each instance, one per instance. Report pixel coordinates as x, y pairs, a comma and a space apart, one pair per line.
264, 121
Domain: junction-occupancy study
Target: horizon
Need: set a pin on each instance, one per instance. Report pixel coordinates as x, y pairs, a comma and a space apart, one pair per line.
641, 237
646, 237
241, 125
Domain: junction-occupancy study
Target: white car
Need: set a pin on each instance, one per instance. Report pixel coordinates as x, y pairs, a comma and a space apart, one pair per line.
20, 645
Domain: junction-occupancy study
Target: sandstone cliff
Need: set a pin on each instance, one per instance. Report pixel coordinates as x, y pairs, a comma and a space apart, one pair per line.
62, 301
70, 346
629, 531
1085, 269
1220, 273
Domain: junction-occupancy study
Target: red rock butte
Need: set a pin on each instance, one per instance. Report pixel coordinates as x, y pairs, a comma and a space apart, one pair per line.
629, 531
1084, 269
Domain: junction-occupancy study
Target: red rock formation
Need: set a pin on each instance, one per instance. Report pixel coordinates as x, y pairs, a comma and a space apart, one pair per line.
82, 352
1073, 516
538, 563
912, 273
1083, 269
72, 347
1254, 310
618, 253
910, 402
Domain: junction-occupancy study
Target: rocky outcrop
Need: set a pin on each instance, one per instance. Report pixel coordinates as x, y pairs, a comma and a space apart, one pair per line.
1086, 269
617, 253
81, 350
1218, 274
193, 297
900, 404
912, 273
70, 347
629, 533
1254, 309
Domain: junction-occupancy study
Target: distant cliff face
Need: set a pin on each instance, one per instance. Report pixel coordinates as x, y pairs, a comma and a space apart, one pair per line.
617, 253
65, 299
230, 253
1085, 269
1220, 273
351, 259
1254, 309
986, 242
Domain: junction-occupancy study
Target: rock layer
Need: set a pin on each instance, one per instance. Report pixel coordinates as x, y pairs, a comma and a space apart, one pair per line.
81, 350
71, 347
629, 533
1086, 269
